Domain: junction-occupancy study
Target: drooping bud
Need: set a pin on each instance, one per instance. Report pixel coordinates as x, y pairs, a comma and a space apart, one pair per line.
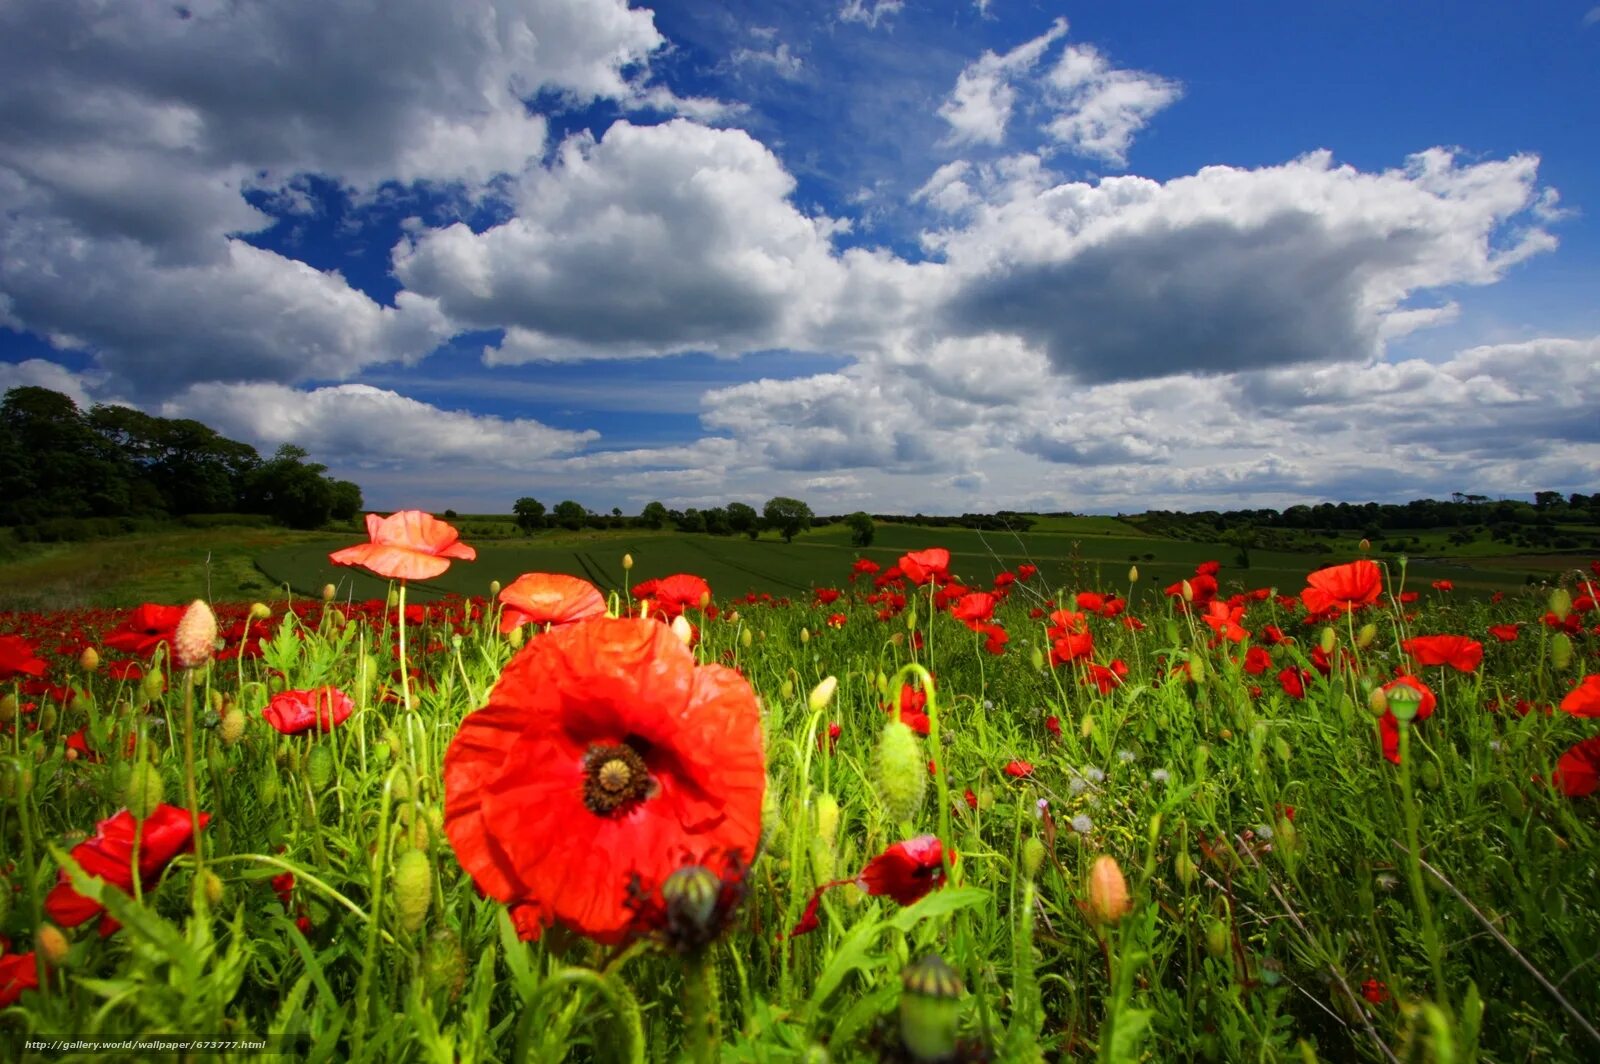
1108, 891
1197, 666
51, 944
514, 637
153, 684
214, 889
1183, 866
822, 694
1378, 702
89, 660
413, 889
195, 639
260, 611
444, 964
232, 728
930, 1007
1086, 726
1036, 658
746, 638
1329, 639
786, 690
902, 771
1188, 591
1216, 938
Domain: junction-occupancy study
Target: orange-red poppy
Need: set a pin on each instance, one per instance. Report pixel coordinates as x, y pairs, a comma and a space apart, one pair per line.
1357, 583
549, 598
1578, 771
145, 629
1456, 651
669, 596
408, 545
1584, 699
163, 835
293, 712
18, 972
920, 566
605, 759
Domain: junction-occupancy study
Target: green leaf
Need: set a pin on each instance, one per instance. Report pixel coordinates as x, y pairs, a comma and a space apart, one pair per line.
939, 903
852, 955
1128, 1035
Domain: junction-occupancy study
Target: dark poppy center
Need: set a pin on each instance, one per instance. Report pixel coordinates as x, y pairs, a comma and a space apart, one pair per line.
614, 776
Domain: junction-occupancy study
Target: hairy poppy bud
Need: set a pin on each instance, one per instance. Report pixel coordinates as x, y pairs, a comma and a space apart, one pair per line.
1560, 650
1197, 667
260, 611
746, 638
1560, 603
1108, 891
319, 767
911, 619
89, 660
930, 1006
195, 639
1036, 658
214, 889
153, 684
51, 944
1188, 591
328, 591
1216, 938
1183, 867
338, 617
514, 637
1133, 574
827, 817
1086, 727
1329, 639
902, 772
786, 690
413, 889
822, 694
627, 562
1032, 856
232, 728
444, 964
1366, 635
691, 894
144, 791
805, 636
494, 588
1378, 702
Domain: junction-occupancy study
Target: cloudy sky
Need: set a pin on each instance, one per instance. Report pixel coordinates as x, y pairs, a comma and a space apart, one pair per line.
876, 254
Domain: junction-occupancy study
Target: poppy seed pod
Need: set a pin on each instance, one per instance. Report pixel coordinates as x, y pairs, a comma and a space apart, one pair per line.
691, 894
1108, 891
195, 639
902, 772
930, 1006
1404, 701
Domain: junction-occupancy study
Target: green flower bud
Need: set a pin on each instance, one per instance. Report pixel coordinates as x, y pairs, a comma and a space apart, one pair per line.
232, 728
413, 889
319, 767
153, 683
144, 791
1184, 868
1560, 603
902, 771
1366, 635
1560, 650
827, 818
1033, 855
1329, 639
1217, 938
444, 964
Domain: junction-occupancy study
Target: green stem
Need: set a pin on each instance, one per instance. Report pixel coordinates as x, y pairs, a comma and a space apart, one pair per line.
191, 792
702, 1026
405, 676
1419, 892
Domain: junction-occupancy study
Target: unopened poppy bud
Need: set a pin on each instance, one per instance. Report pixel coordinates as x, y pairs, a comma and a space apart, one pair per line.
1197, 667
683, 630
1216, 938
153, 684
1365, 545
1036, 658
47, 717
822, 694
911, 619
786, 690
691, 895
1183, 867
195, 639
746, 638
1108, 891
514, 637
1378, 702
336, 615
16, 780
627, 562
328, 591
1032, 856
1226, 734
1133, 574
881, 682
805, 636
89, 660
1284, 753
393, 599
214, 889
1366, 635
1086, 726
1188, 591
444, 964
319, 767
1561, 650
1560, 603
413, 889
232, 727
260, 611
494, 588
51, 944
1403, 702
827, 817
902, 771
144, 791
898, 639
930, 1008
1329, 639
1286, 837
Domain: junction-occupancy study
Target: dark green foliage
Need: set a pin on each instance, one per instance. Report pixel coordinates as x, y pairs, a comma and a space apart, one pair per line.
788, 516
529, 513
861, 528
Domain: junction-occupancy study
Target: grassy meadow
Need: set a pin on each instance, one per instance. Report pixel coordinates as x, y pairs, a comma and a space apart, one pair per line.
1129, 827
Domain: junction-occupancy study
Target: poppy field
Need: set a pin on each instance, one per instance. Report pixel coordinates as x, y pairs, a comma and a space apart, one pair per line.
929, 808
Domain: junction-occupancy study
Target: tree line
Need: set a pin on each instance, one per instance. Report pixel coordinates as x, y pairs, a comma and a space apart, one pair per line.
65, 472
781, 514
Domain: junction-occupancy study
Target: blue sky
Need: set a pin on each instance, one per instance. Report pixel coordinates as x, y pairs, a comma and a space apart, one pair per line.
894, 256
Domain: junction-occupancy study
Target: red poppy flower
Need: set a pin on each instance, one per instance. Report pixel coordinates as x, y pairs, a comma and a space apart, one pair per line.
1026, 572
920, 566
907, 870
827, 596
1584, 699
293, 712
18, 972
19, 657
669, 596
1456, 651
1052, 724
1374, 991
147, 628
1293, 681
605, 759
1003, 580
1357, 583
1257, 661
548, 598
1506, 633
974, 608
166, 833
409, 545
1224, 621
865, 565
1578, 771
1443, 585
1106, 678
830, 738
912, 702
995, 638
1019, 769
1071, 647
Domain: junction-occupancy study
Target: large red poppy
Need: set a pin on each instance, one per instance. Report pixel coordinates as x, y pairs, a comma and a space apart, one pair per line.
605, 760
147, 628
19, 657
1456, 651
1584, 699
293, 712
409, 545
1578, 771
920, 566
164, 834
974, 608
670, 595
1357, 583
549, 598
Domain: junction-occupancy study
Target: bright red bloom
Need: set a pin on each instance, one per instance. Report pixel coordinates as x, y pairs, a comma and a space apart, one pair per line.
837, 620
1293, 681
912, 702
1578, 771
19, 657
1357, 583
995, 638
1224, 621
1092, 601
1052, 724
1443, 585
920, 566
408, 545
1506, 633
1375, 991
1389, 727
1071, 647
148, 627
18, 972
830, 738
1208, 569
605, 760
1456, 651
166, 833
974, 608
827, 596
865, 565
907, 870
1026, 572
1019, 769
1257, 661
1003, 580
1106, 678
671, 595
549, 598
293, 712
1584, 699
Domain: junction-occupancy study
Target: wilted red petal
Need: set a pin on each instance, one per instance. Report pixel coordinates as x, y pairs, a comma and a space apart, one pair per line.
293, 712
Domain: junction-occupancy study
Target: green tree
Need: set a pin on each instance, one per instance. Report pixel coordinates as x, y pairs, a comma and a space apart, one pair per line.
570, 515
654, 515
742, 517
293, 491
861, 528
529, 513
788, 516
59, 466
346, 500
